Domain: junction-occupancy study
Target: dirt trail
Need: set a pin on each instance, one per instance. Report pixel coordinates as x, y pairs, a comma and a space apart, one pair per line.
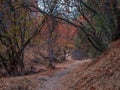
52, 83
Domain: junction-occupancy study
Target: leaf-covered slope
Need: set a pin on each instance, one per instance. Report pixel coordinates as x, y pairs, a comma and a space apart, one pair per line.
101, 74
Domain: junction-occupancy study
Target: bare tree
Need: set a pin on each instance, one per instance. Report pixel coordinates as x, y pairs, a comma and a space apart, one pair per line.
17, 30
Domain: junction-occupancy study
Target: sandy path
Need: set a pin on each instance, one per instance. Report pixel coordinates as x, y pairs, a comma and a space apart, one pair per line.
52, 83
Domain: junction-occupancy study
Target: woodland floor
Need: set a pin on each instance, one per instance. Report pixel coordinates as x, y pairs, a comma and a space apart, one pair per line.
43, 76
53, 82
103, 73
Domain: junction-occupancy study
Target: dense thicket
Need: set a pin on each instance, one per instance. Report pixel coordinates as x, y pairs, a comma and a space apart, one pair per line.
101, 23
16, 31
97, 23
97, 20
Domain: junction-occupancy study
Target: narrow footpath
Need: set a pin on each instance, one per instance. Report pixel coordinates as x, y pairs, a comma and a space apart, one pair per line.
52, 83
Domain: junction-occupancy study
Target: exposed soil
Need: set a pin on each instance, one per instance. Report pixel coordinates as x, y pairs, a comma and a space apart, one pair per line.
101, 74
33, 81
53, 82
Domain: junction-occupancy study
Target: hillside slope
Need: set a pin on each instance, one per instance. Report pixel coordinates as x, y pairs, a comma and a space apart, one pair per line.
101, 74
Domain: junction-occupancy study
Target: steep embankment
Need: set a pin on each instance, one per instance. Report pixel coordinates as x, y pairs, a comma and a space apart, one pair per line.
102, 74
